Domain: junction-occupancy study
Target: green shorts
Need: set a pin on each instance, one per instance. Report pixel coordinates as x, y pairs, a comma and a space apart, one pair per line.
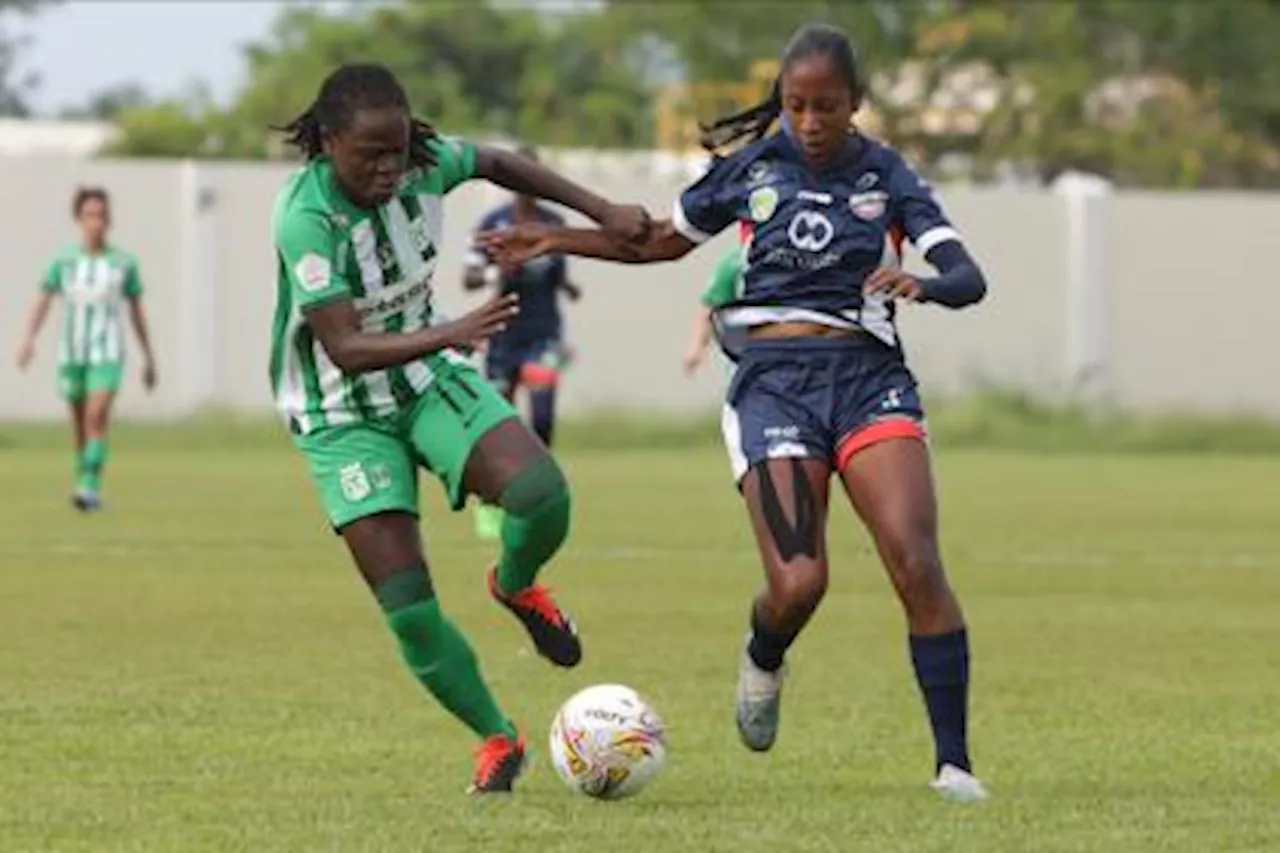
77, 381
370, 467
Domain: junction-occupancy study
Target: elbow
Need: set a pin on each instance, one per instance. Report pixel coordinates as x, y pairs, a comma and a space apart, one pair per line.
347, 355
979, 292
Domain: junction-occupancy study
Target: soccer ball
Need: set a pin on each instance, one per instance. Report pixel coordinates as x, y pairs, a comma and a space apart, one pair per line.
607, 742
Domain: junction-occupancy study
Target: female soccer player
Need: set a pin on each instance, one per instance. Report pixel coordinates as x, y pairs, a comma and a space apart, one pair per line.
821, 385
95, 279
371, 383
531, 353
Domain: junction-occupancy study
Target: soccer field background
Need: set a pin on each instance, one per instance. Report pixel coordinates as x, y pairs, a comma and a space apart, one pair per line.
198, 668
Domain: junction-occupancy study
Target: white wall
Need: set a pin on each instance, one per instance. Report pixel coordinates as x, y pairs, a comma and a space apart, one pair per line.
1187, 319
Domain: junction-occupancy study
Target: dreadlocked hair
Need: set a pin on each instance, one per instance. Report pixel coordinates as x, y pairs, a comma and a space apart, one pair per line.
345, 91
754, 122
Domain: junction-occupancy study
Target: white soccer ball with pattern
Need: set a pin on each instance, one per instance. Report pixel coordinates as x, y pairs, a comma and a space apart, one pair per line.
607, 742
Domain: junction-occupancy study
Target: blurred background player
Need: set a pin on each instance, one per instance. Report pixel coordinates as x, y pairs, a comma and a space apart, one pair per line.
821, 385
724, 287
95, 280
531, 353
372, 385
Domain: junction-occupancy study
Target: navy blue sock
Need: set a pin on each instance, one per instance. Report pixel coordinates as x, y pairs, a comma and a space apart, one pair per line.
542, 411
942, 669
768, 646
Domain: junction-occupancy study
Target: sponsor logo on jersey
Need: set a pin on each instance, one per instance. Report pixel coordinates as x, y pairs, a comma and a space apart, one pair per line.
869, 206
314, 272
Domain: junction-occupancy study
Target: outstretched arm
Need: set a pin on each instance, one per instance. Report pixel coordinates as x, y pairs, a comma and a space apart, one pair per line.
528, 177
521, 243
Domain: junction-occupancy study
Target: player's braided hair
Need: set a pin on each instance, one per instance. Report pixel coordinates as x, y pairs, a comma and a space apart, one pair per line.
754, 122
348, 89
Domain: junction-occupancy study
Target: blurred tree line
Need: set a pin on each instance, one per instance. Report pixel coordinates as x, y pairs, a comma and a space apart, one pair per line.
1160, 93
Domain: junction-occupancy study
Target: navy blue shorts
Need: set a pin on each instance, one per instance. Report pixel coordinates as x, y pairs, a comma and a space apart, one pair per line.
536, 363
817, 398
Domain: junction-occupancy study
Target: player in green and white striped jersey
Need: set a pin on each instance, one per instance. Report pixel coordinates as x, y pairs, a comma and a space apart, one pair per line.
96, 281
373, 383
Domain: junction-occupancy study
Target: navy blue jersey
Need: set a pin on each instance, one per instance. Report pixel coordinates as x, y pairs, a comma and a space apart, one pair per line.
817, 234
538, 281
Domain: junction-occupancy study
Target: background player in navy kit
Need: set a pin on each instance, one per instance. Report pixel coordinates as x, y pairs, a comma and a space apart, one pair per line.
531, 353
821, 384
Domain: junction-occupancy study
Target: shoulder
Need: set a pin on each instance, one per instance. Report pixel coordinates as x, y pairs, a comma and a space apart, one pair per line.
753, 163
122, 257
65, 253
303, 202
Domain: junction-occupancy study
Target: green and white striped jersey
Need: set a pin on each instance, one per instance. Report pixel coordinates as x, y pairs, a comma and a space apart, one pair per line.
383, 260
93, 287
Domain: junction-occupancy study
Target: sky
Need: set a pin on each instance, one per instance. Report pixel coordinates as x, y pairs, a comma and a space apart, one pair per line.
83, 46
80, 47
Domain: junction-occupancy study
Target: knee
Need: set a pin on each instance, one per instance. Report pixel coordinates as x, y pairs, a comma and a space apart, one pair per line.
539, 491
796, 592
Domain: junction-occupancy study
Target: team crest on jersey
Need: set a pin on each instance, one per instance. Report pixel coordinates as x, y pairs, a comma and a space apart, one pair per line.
314, 272
869, 206
354, 482
762, 203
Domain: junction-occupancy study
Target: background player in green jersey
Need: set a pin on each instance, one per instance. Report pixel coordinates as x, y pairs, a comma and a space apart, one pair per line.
724, 286
372, 384
95, 280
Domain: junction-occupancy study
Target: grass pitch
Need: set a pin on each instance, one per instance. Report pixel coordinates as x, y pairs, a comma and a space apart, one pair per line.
198, 668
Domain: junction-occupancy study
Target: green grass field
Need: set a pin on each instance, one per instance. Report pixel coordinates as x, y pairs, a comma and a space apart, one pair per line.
199, 669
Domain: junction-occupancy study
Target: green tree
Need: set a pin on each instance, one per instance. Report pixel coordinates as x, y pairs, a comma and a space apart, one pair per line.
14, 90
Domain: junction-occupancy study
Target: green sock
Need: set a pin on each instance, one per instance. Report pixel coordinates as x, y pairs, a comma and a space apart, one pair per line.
437, 652
535, 523
92, 460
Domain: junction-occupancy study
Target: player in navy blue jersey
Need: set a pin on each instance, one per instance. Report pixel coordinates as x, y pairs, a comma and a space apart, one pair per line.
531, 353
821, 385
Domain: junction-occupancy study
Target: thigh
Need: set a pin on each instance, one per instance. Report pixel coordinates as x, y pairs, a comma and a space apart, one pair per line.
361, 470
97, 407
787, 502
383, 545
890, 484
451, 422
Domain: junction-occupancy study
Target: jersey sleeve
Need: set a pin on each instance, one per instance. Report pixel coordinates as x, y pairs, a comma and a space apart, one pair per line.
132, 279
722, 287
917, 211
307, 246
709, 205
52, 281
455, 162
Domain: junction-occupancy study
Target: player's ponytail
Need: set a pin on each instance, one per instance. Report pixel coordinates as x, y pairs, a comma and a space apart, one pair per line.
754, 122
349, 88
